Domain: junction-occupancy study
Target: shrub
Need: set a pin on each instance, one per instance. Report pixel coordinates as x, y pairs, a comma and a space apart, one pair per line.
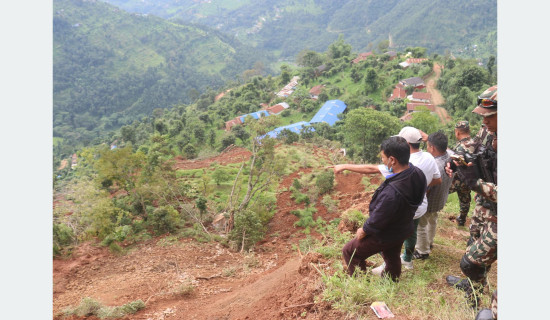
63, 236
331, 205
325, 181
247, 231
91, 307
164, 219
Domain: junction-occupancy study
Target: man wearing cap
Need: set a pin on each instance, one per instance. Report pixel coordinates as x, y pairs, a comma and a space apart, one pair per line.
391, 209
465, 144
425, 162
482, 248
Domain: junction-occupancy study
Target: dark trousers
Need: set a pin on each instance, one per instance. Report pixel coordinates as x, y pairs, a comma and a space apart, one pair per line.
355, 253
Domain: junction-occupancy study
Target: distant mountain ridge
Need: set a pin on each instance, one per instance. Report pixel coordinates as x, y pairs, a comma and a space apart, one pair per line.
288, 26
112, 67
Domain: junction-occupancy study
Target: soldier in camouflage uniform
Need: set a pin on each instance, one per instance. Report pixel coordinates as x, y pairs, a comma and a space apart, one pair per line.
482, 248
465, 144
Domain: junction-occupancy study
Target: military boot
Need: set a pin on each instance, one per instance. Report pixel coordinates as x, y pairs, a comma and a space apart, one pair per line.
461, 219
471, 289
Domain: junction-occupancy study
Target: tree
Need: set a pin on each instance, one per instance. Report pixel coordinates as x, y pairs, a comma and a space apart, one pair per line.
383, 45
264, 167
220, 175
367, 128
371, 81
308, 58
339, 48
491, 64
285, 74
240, 132
423, 119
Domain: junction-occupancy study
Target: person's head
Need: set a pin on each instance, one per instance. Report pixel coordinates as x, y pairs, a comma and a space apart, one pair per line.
412, 136
462, 129
395, 150
487, 108
437, 143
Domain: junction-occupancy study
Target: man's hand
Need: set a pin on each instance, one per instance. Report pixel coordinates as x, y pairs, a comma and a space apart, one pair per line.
360, 234
339, 168
448, 169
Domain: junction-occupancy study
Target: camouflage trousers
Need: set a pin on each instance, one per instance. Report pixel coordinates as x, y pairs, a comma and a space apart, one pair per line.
463, 193
483, 230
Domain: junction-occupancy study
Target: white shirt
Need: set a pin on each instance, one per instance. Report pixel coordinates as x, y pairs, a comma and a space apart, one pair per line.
425, 162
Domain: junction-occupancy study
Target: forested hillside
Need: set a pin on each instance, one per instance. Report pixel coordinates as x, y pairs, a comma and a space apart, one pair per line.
465, 28
172, 210
111, 67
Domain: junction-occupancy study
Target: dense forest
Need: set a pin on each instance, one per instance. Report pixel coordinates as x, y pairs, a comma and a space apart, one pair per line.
465, 28
111, 67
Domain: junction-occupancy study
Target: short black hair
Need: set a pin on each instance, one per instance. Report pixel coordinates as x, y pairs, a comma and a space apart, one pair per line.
438, 140
398, 148
415, 145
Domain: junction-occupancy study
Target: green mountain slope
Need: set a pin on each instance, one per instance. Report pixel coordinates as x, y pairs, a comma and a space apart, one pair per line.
288, 26
111, 67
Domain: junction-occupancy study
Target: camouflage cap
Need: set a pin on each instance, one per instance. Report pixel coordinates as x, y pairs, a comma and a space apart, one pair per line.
487, 102
462, 125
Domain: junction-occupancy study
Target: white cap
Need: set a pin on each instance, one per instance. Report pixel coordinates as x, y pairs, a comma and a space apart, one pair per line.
411, 134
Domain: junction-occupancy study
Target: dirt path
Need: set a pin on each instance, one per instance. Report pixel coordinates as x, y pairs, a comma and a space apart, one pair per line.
437, 98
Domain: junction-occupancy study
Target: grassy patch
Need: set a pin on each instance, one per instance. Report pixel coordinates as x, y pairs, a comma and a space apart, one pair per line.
91, 307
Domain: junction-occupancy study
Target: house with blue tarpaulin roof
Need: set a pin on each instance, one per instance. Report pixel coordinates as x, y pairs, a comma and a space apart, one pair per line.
256, 115
329, 112
295, 127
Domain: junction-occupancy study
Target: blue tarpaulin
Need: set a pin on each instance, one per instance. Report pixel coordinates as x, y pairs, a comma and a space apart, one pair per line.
329, 112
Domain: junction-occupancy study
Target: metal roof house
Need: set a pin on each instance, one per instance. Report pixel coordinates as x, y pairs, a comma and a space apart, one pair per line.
256, 115
294, 127
329, 112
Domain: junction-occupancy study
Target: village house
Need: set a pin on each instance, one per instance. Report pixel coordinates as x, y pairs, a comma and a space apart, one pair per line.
320, 70
362, 56
413, 106
423, 97
411, 61
231, 123
391, 54
399, 92
316, 91
415, 82
289, 88
278, 108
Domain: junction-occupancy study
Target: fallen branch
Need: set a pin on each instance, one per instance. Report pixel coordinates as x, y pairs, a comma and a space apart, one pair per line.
208, 278
299, 305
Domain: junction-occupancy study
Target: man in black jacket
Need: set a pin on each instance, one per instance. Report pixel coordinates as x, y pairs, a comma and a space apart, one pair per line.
391, 209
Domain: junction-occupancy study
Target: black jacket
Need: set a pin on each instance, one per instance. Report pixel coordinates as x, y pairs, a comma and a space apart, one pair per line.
393, 205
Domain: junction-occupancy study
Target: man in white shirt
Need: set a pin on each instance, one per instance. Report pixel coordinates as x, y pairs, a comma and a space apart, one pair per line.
426, 162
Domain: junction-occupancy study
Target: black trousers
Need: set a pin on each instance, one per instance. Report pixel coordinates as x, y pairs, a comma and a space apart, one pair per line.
355, 253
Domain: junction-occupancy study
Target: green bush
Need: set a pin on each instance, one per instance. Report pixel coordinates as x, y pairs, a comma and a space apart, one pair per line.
248, 226
325, 181
63, 236
164, 219
91, 307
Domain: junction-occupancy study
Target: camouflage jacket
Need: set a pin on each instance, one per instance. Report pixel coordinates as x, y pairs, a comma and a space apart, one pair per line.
466, 145
488, 189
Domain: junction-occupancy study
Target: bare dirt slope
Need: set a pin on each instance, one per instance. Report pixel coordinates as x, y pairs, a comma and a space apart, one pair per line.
275, 282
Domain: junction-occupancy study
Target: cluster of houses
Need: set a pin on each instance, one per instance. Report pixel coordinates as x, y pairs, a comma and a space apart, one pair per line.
416, 99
